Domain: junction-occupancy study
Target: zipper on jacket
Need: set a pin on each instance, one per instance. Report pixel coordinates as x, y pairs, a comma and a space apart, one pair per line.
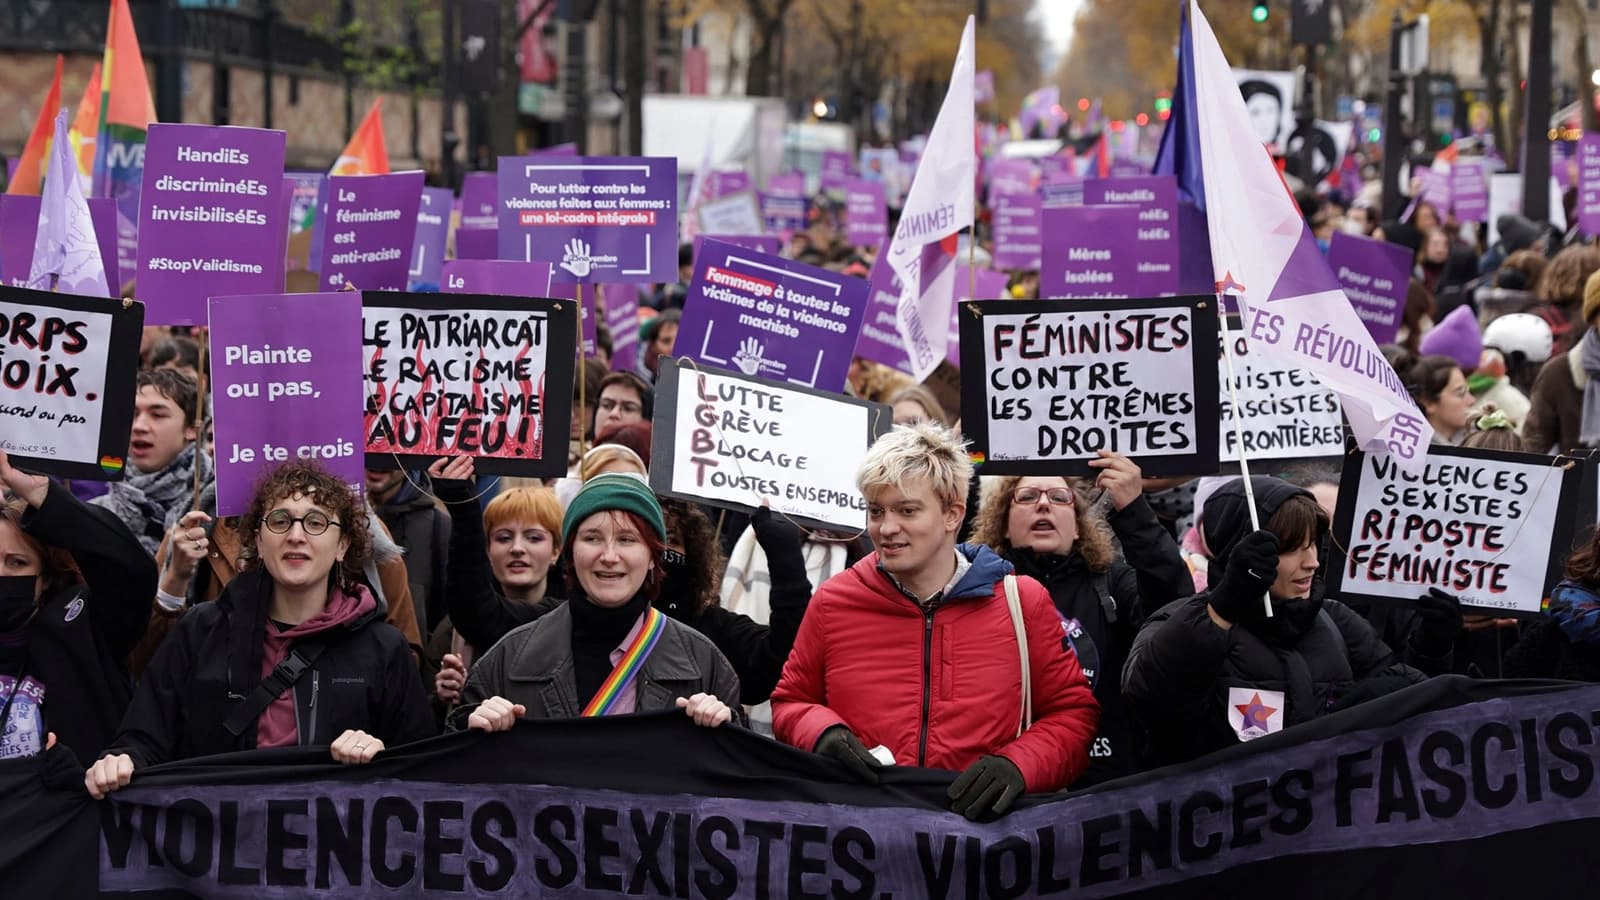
316, 683
927, 682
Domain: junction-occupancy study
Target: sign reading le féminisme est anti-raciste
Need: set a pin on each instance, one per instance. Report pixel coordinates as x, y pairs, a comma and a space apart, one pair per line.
734, 441
1050, 383
597, 218
1492, 528
210, 218
372, 225
452, 374
66, 382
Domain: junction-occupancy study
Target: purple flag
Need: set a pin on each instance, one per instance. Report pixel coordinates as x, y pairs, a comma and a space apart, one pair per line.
372, 222
1589, 184
983, 86
771, 317
621, 303
598, 218
1469, 190
427, 248
66, 256
1375, 275
1018, 231
210, 218
866, 213
1093, 253
1156, 235
287, 386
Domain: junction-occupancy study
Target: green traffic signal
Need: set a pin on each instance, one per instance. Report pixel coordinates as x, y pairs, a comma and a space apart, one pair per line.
1259, 13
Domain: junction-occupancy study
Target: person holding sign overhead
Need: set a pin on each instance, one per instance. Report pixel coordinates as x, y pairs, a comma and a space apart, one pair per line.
74, 599
936, 654
1214, 670
1052, 532
608, 651
294, 652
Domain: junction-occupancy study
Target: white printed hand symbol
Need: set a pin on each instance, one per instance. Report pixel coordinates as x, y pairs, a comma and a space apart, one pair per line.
748, 359
576, 259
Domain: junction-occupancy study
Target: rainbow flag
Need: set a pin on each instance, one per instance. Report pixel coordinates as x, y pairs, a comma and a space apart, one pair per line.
126, 110
30, 172
366, 154
85, 128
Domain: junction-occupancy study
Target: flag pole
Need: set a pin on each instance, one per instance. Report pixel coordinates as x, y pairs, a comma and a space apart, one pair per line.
1238, 433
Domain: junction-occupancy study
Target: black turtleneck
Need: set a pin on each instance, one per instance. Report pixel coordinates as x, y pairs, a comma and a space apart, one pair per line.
596, 631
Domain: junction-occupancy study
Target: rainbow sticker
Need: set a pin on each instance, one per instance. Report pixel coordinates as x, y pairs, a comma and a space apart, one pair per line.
112, 464
977, 459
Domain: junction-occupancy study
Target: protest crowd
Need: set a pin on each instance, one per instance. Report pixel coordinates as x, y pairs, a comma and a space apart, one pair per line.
1047, 558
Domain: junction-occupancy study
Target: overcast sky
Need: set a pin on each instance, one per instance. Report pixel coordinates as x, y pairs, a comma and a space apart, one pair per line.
1058, 16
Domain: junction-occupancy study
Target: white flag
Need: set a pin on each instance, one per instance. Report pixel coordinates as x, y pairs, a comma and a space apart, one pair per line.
1263, 253
66, 256
937, 208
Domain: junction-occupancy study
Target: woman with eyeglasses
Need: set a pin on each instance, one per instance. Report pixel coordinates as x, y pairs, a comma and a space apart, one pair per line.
1052, 532
294, 652
1440, 389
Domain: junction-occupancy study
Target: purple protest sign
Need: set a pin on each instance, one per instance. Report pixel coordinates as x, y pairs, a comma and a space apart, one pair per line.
427, 249
496, 278
1055, 168
621, 314
1156, 238
880, 337
1434, 188
1062, 190
1018, 232
761, 243
599, 218
783, 214
1012, 178
478, 206
772, 317
586, 316
1375, 275
1469, 190
210, 216
303, 209
19, 227
789, 184
1093, 253
477, 243
837, 168
866, 213
721, 184
990, 285
371, 225
286, 381
1589, 184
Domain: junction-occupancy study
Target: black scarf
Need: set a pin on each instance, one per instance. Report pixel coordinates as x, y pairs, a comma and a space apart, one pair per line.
596, 631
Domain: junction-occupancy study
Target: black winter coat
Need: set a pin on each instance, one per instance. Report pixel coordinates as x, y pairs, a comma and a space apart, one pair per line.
79, 641
365, 678
1103, 612
424, 531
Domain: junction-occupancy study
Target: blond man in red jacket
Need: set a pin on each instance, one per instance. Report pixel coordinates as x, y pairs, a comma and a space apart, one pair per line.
914, 649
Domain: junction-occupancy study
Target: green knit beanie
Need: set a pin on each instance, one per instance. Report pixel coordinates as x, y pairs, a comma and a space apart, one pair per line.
615, 490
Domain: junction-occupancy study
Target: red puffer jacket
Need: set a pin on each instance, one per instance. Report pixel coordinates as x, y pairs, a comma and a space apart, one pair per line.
939, 685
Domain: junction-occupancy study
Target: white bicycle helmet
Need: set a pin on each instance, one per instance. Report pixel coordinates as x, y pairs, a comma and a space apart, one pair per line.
1522, 333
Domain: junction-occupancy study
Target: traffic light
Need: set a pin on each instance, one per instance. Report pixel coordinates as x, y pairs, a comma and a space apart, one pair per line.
1259, 12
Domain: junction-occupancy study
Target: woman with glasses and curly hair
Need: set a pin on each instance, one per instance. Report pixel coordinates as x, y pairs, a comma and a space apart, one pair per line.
1051, 532
294, 652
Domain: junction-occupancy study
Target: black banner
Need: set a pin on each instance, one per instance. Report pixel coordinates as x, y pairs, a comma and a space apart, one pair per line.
1453, 788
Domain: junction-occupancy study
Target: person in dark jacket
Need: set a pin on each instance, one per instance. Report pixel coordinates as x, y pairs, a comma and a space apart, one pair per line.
74, 599
1214, 670
422, 529
1052, 532
294, 652
608, 650
1565, 643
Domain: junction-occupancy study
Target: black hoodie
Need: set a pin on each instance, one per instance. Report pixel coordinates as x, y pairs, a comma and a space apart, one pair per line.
1194, 687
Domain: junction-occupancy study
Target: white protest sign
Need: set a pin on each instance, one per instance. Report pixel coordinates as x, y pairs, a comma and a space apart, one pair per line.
733, 214
1050, 383
732, 440
1287, 412
1490, 527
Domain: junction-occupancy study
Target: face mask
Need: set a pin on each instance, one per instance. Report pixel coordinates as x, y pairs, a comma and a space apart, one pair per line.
1351, 226
18, 601
677, 587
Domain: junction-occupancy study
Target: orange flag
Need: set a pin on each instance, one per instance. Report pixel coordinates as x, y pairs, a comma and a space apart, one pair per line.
86, 127
366, 154
30, 172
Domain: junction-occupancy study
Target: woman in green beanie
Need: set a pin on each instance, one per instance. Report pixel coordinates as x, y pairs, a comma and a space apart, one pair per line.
608, 650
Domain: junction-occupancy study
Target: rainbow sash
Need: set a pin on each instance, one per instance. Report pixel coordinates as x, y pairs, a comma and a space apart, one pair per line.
628, 667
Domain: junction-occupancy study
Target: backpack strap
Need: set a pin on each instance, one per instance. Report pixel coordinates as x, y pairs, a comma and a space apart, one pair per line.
1014, 605
1108, 604
302, 657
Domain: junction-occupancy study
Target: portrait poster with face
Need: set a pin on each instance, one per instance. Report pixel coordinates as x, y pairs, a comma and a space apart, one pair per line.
1269, 97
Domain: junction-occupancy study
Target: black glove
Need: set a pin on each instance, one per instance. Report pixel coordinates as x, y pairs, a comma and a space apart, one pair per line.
842, 744
1438, 624
1370, 689
1252, 568
454, 490
987, 788
781, 541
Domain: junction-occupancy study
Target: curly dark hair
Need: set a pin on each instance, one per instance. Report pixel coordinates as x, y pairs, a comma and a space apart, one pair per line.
697, 536
306, 479
1094, 542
